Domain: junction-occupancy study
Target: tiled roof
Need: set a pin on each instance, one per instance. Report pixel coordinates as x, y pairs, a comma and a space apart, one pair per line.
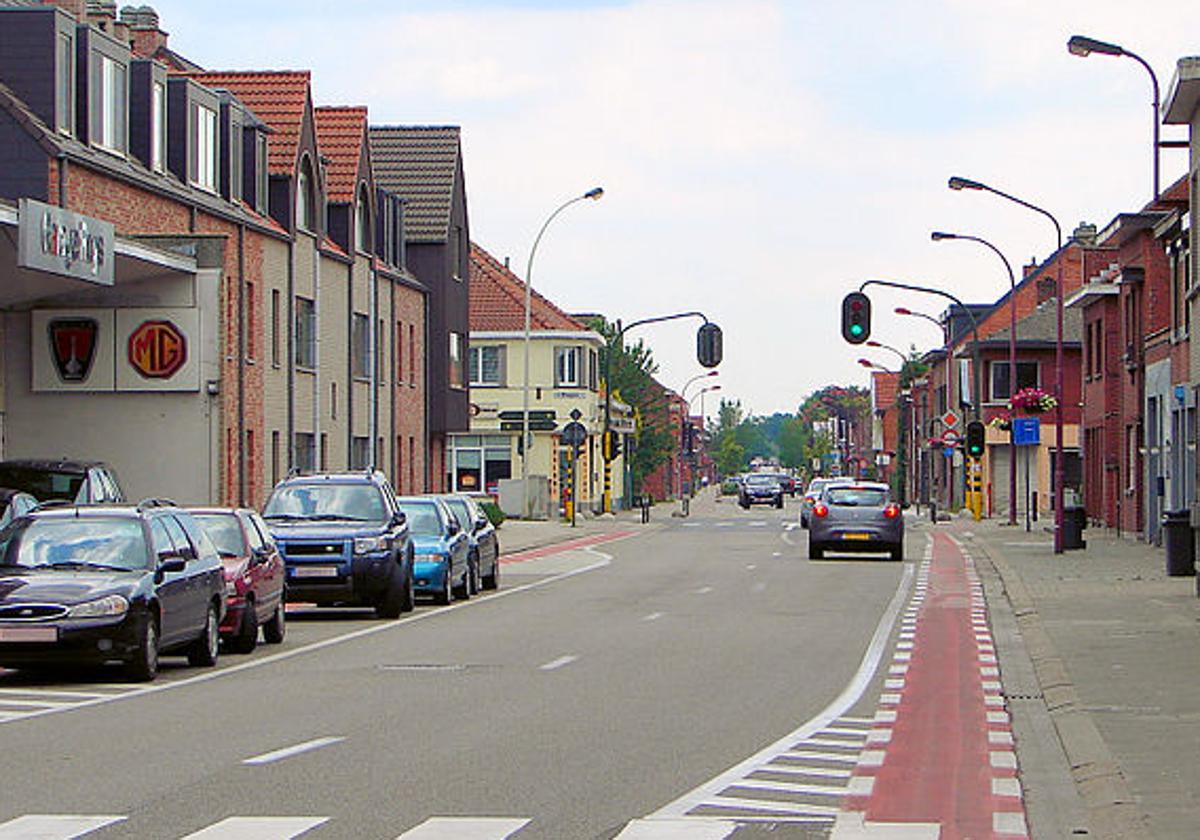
278, 98
340, 133
418, 163
498, 300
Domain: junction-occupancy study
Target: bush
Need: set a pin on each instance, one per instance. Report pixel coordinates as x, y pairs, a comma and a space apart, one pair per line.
729, 487
494, 514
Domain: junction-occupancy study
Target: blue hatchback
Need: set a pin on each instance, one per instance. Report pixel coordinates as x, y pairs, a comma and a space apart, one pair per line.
441, 565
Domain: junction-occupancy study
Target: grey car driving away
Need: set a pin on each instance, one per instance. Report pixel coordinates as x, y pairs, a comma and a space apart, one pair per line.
858, 517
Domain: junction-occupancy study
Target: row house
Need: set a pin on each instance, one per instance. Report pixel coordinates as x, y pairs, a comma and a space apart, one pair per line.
239, 307
886, 423
565, 381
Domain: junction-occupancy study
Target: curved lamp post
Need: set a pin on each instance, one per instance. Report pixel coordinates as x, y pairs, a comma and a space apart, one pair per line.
688, 409
1083, 46
957, 183
904, 310
882, 346
939, 236
526, 444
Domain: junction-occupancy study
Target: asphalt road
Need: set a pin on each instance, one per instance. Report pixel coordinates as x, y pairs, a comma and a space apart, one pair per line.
596, 688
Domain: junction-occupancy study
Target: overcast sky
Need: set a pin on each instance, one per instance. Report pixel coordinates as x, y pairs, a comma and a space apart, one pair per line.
759, 159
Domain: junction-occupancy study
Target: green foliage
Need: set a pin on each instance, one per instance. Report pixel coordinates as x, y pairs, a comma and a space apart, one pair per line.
493, 512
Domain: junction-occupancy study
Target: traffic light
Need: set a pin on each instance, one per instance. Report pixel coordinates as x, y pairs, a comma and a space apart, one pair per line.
689, 437
856, 318
709, 345
975, 439
611, 445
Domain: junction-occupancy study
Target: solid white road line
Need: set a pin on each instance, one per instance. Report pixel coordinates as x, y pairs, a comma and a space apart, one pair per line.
288, 752
465, 828
53, 827
558, 663
258, 828
677, 829
654, 616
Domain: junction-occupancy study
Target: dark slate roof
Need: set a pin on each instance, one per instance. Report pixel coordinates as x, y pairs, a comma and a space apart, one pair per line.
419, 163
1040, 328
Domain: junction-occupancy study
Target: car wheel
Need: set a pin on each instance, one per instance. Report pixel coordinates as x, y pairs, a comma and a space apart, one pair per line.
492, 581
207, 647
246, 639
898, 552
463, 590
779, 503
443, 596
391, 603
815, 552
276, 627
144, 665
409, 600
473, 572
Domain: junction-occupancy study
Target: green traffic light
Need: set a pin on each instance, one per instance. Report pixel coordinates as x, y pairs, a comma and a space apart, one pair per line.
856, 329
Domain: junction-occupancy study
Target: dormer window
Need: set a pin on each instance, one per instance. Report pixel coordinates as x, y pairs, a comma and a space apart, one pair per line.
362, 221
305, 202
65, 93
158, 126
111, 104
204, 128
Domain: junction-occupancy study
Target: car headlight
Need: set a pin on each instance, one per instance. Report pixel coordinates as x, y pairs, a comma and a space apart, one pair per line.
431, 556
109, 605
368, 545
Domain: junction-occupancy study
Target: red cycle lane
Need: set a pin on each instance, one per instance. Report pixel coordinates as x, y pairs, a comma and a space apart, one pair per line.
941, 753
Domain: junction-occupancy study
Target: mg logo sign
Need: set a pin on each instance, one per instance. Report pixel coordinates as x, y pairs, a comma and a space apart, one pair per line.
157, 349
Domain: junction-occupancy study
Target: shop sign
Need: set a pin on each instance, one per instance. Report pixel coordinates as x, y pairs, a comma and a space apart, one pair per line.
157, 349
58, 241
73, 346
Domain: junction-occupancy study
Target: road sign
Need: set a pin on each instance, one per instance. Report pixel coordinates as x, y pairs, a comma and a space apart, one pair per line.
1027, 431
950, 420
535, 415
574, 434
534, 425
949, 437
576, 414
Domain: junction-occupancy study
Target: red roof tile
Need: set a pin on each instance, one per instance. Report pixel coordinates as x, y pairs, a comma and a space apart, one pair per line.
340, 133
278, 98
497, 300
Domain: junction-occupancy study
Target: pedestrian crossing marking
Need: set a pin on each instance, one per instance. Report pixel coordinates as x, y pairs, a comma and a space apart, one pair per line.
258, 828
465, 828
683, 828
53, 826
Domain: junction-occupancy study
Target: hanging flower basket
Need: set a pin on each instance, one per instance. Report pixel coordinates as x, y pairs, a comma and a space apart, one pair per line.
1032, 401
1002, 422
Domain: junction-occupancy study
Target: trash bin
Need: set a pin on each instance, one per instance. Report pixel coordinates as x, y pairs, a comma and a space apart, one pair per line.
1074, 521
1177, 539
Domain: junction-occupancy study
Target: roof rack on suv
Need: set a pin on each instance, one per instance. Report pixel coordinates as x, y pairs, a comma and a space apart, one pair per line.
145, 504
54, 503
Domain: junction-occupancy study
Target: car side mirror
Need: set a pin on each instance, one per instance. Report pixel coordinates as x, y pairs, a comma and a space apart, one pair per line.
452, 529
398, 519
260, 554
172, 563
482, 522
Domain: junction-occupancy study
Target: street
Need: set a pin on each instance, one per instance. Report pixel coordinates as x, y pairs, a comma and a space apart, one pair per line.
596, 686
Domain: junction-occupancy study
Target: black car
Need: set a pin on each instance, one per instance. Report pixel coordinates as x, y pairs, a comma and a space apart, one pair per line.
344, 540
103, 584
760, 489
80, 482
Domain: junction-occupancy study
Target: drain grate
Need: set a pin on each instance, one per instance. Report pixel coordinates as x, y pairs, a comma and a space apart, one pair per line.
1031, 695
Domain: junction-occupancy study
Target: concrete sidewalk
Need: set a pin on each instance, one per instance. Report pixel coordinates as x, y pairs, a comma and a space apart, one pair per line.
1114, 644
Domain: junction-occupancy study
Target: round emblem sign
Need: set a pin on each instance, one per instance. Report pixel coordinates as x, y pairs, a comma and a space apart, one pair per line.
157, 349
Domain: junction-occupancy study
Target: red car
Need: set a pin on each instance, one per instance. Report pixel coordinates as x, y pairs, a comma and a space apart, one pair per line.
254, 576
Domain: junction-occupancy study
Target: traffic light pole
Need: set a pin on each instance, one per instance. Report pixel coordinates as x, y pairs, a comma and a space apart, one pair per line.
607, 448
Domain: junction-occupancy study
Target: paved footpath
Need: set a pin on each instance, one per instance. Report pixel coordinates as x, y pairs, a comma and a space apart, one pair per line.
1112, 646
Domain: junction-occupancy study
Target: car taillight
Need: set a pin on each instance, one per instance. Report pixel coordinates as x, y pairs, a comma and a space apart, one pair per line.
820, 510
891, 511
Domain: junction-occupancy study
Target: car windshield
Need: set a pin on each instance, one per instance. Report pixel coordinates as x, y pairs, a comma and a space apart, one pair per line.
327, 500
856, 496
224, 531
461, 511
90, 542
423, 519
42, 484
761, 479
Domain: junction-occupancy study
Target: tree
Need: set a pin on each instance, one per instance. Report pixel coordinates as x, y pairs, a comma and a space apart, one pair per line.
793, 443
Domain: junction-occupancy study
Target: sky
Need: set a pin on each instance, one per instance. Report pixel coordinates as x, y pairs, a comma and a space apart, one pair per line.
759, 158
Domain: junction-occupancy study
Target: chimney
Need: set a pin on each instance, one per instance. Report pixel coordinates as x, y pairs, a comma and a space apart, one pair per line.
1026, 270
1045, 289
76, 8
1085, 234
146, 38
103, 15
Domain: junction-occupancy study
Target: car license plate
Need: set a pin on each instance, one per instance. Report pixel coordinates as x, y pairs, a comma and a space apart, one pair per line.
315, 571
28, 634
855, 535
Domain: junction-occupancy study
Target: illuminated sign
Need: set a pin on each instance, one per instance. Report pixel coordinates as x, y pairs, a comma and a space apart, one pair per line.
157, 349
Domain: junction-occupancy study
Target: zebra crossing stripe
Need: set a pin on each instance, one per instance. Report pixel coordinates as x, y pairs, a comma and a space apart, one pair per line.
465, 828
682, 828
53, 826
258, 828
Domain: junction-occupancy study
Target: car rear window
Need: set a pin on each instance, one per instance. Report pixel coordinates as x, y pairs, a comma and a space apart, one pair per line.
856, 496
42, 484
423, 519
224, 531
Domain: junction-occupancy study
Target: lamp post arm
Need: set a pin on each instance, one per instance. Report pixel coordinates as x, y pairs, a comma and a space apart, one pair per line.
1154, 119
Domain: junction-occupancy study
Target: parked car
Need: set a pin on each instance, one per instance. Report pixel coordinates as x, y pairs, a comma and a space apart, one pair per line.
442, 568
484, 541
14, 503
80, 482
856, 517
344, 541
760, 489
109, 583
813, 493
254, 576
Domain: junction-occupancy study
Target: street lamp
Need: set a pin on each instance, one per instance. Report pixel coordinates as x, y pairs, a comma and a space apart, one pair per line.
904, 310
882, 346
939, 236
1083, 46
594, 193
687, 416
867, 363
957, 183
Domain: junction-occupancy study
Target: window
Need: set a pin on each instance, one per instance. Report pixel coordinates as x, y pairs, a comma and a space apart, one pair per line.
251, 323
412, 355
276, 332
360, 346
274, 458
456, 360
362, 222
204, 139
305, 202
260, 173
487, 365
158, 126
398, 349
566, 366
1027, 377
306, 333
111, 104
593, 370
380, 349
64, 103
333, 400
360, 453
306, 452
456, 251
